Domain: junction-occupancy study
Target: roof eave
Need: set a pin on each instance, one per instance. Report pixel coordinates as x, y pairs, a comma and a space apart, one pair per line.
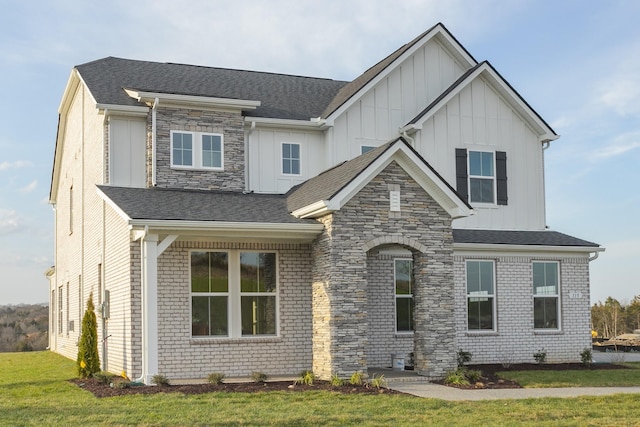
497, 247
192, 100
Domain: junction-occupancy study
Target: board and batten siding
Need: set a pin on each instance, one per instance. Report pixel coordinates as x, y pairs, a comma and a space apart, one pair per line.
394, 101
127, 152
264, 155
479, 119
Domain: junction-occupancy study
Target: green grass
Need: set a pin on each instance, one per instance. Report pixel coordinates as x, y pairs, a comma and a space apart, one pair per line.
582, 378
34, 391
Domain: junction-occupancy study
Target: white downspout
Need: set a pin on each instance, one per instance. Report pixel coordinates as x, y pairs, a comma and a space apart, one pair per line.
143, 279
595, 256
153, 142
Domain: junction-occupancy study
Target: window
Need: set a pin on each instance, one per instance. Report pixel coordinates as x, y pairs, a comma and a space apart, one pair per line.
60, 310
480, 296
366, 148
290, 159
197, 150
481, 176
404, 295
545, 295
233, 294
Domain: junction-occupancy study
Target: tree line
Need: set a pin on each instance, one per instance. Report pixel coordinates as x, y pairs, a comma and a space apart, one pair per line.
24, 327
612, 318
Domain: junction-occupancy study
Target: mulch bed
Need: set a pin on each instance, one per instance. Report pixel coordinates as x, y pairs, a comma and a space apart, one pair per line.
489, 380
103, 390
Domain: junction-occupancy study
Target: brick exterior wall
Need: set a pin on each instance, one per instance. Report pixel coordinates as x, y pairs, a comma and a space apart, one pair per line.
231, 125
340, 303
183, 357
515, 340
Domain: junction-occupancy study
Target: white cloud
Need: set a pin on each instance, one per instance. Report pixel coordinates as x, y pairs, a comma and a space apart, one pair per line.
620, 145
30, 187
18, 164
8, 221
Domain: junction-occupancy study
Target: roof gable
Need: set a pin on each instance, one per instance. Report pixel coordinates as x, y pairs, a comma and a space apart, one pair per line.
348, 93
332, 189
486, 71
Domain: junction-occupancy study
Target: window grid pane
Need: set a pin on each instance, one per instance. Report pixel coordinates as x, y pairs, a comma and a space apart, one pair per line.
404, 294
480, 295
211, 151
291, 159
545, 295
481, 177
182, 149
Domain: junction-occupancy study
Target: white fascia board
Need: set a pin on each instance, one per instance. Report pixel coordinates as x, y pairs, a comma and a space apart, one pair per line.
192, 100
251, 230
290, 123
483, 248
442, 36
416, 168
122, 110
313, 210
115, 207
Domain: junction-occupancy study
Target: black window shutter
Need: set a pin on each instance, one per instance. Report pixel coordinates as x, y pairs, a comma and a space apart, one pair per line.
461, 173
501, 177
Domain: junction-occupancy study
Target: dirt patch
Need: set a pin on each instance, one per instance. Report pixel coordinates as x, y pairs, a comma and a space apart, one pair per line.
489, 373
103, 390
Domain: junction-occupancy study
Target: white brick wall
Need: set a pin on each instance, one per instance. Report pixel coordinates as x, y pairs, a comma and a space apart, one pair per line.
182, 357
515, 340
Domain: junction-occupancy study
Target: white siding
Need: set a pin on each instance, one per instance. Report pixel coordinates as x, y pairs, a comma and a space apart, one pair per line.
264, 154
479, 119
127, 146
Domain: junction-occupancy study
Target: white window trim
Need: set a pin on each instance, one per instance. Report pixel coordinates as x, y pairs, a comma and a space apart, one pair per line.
396, 296
234, 297
299, 158
495, 179
556, 295
494, 296
197, 151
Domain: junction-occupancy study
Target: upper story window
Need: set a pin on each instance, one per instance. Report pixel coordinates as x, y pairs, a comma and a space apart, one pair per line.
366, 148
404, 295
197, 150
481, 176
290, 158
481, 296
546, 295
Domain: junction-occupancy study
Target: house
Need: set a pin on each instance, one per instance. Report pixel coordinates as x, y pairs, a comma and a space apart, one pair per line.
235, 221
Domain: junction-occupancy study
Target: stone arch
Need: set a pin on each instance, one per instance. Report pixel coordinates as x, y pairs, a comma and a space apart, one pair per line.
395, 240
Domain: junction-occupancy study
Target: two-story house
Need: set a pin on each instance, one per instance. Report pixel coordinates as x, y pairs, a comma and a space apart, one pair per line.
234, 221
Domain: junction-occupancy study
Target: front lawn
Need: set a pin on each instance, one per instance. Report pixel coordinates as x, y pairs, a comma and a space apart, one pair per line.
581, 378
34, 390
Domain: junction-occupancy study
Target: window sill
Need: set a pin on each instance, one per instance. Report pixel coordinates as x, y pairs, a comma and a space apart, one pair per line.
239, 340
192, 168
548, 332
403, 335
476, 205
482, 333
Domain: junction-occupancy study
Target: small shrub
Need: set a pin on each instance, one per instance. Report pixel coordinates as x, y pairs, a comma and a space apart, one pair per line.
336, 381
378, 382
88, 360
586, 356
306, 377
121, 384
357, 378
411, 360
456, 377
103, 377
159, 379
215, 378
473, 375
617, 356
506, 360
259, 377
464, 357
540, 356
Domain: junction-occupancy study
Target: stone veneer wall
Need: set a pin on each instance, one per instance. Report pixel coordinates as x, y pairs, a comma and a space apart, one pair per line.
183, 357
515, 340
231, 125
383, 340
339, 276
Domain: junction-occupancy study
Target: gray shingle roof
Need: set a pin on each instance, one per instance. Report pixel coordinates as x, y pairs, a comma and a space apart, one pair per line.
282, 96
200, 205
507, 237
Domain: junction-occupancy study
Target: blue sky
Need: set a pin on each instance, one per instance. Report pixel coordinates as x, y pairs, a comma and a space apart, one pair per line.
577, 62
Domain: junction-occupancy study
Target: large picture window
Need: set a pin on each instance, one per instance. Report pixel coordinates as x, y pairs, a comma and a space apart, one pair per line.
480, 296
404, 294
197, 150
546, 293
233, 294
